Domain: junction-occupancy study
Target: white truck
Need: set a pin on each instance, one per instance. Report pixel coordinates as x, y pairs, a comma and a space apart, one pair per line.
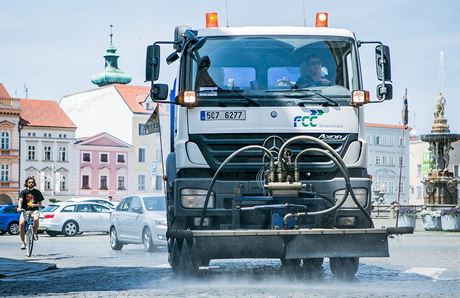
263, 165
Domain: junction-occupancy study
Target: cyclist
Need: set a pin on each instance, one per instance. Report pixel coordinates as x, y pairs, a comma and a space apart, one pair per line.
30, 199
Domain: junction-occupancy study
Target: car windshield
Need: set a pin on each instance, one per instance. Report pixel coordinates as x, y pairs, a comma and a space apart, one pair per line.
274, 70
154, 203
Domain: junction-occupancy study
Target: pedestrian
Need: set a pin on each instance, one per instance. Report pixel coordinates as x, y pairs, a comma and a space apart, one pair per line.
30, 199
110, 198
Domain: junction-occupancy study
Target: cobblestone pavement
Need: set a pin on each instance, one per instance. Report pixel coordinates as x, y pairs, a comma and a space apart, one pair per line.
426, 264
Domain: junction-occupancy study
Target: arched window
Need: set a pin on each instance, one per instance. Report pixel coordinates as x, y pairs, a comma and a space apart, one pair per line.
5, 140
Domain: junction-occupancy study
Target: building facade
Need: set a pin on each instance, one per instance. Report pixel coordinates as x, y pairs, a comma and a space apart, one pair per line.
104, 166
10, 181
121, 111
388, 160
47, 148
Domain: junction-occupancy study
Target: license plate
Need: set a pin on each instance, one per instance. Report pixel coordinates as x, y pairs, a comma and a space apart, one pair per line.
222, 115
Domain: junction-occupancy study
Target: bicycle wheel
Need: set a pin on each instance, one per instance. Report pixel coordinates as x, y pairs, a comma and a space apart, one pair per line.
29, 240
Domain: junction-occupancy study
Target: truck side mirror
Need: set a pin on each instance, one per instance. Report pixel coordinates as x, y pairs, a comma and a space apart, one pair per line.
159, 91
384, 91
152, 63
382, 57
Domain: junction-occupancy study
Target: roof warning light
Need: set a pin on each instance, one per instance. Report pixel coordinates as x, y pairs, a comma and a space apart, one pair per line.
211, 20
321, 19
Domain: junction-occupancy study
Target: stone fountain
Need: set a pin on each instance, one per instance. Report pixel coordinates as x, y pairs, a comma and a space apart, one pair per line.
440, 185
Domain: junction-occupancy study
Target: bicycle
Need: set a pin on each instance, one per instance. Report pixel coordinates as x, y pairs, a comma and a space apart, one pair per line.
28, 231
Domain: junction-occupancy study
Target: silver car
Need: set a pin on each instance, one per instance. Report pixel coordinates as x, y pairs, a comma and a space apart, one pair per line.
139, 219
74, 218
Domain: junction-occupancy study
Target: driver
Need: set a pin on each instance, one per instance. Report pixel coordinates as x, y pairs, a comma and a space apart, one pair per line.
310, 73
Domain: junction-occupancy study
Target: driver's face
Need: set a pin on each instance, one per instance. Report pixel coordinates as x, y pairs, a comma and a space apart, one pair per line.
314, 65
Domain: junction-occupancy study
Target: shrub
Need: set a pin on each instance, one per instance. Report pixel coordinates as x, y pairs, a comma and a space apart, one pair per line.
451, 211
407, 211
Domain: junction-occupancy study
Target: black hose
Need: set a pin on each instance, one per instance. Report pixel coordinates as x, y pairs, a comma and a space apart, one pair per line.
213, 181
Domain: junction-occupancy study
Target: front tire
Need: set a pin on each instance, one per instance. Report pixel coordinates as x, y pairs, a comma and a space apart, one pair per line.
13, 228
70, 228
147, 239
344, 268
114, 243
29, 240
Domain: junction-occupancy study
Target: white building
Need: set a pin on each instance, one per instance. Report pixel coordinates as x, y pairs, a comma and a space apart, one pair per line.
420, 166
121, 111
386, 150
47, 148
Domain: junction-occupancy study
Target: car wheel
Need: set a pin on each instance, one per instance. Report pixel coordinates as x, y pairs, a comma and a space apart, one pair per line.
114, 243
2, 232
13, 228
147, 239
70, 228
52, 233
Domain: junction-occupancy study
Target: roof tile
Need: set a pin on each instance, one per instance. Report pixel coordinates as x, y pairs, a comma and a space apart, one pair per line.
47, 113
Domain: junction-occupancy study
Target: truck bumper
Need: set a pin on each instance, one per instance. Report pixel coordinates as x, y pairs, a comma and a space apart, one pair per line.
289, 244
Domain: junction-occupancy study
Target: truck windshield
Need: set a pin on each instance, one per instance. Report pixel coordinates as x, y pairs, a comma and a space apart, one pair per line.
274, 70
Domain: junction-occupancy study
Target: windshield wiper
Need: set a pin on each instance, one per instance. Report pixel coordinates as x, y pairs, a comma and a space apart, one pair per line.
237, 93
296, 91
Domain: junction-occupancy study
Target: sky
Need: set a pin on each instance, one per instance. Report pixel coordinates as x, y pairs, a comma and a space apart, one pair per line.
52, 48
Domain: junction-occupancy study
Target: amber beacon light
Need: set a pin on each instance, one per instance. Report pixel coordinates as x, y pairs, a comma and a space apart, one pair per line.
211, 20
321, 19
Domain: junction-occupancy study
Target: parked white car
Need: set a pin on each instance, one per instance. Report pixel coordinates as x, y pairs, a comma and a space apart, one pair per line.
101, 201
74, 217
139, 219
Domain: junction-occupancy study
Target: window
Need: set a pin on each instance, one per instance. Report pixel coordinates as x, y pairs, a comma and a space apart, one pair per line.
141, 182
31, 153
384, 160
4, 172
141, 129
62, 153
62, 183
125, 204
141, 155
377, 160
377, 140
419, 192
158, 183
87, 156
121, 183
120, 158
84, 208
104, 157
85, 182
47, 183
103, 182
70, 208
47, 153
419, 170
5, 140
456, 171
148, 105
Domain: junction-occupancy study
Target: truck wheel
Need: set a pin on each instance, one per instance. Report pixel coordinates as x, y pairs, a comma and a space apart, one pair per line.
313, 264
290, 264
344, 268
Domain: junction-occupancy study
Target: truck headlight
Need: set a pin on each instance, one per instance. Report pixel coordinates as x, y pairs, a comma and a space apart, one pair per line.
194, 198
360, 193
161, 222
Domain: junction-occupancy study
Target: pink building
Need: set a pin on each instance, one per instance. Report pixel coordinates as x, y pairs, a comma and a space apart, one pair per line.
103, 166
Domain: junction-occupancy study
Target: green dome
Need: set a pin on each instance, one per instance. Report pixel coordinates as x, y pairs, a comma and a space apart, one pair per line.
111, 73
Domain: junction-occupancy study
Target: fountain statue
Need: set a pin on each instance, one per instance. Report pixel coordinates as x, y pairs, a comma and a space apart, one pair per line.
440, 185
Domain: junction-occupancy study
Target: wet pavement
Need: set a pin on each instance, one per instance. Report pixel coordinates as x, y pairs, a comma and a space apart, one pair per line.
426, 264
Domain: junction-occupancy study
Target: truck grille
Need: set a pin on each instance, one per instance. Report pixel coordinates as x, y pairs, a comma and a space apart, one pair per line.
216, 148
